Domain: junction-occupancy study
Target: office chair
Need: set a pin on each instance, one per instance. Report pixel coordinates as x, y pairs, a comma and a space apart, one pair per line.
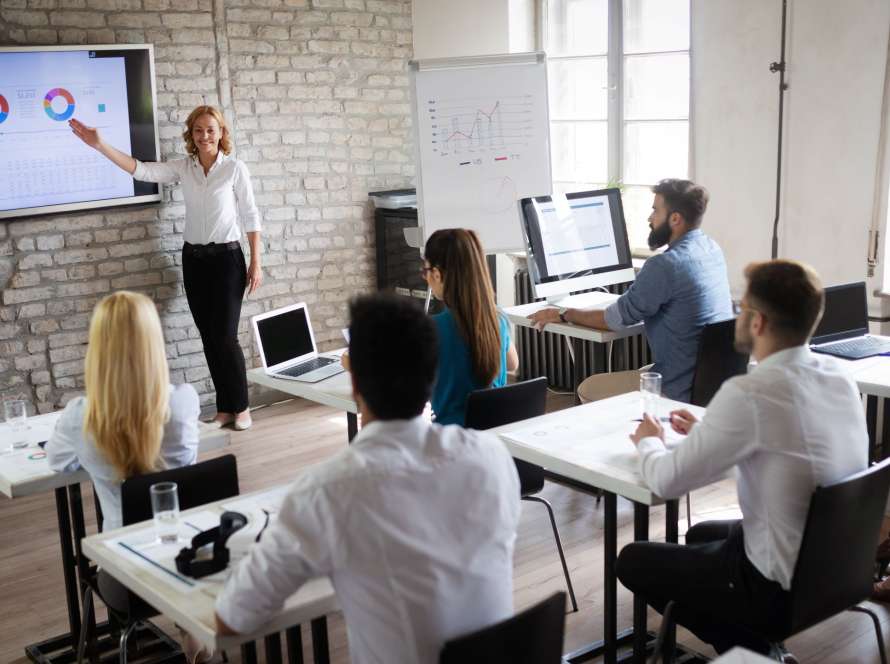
717, 361
531, 637
835, 565
496, 406
198, 484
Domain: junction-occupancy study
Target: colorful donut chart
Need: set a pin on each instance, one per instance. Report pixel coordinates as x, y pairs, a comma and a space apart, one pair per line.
48, 101
4, 108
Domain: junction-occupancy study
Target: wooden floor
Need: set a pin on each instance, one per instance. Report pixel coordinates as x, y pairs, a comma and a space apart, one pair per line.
289, 436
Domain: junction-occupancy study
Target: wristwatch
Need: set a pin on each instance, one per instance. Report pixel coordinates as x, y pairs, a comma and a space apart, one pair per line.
562, 315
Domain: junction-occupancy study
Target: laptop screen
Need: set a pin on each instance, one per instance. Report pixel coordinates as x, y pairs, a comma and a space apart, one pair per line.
846, 313
285, 336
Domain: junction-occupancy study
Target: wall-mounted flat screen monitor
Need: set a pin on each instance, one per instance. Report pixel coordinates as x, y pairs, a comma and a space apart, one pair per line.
44, 167
576, 242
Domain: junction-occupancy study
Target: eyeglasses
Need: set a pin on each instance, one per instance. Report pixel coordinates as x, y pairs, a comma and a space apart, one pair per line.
738, 308
424, 270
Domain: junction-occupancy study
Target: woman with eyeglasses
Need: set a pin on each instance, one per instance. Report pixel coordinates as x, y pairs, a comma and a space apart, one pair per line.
475, 350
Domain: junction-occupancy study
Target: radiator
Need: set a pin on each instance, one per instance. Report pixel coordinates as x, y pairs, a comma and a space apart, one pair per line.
547, 354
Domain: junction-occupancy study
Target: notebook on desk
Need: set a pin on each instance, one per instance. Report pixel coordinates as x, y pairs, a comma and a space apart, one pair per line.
843, 330
287, 346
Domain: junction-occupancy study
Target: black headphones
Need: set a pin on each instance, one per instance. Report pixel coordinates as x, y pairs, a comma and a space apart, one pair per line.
229, 523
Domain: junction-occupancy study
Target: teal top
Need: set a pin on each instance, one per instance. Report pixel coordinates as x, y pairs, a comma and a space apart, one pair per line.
454, 380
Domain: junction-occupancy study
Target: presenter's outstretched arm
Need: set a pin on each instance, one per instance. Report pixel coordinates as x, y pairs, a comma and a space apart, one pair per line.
90, 136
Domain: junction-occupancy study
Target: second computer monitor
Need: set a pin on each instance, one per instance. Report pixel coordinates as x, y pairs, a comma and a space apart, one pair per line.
576, 242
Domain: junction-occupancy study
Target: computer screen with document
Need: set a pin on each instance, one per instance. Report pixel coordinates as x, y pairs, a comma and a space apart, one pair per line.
576, 242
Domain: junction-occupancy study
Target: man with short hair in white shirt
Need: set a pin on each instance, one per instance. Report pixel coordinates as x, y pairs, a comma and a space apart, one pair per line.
414, 522
793, 423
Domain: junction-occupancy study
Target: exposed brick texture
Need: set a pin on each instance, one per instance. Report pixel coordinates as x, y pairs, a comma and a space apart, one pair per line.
316, 93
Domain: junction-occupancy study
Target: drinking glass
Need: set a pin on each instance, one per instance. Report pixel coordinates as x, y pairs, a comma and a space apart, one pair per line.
165, 507
650, 388
16, 415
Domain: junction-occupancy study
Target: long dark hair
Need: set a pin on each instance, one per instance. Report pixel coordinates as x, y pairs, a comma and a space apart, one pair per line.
458, 255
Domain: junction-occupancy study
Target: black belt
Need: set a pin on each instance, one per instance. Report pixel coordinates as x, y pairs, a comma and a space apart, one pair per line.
210, 249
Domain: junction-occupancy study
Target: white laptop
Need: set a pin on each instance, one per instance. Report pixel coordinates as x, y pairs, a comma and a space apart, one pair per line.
287, 346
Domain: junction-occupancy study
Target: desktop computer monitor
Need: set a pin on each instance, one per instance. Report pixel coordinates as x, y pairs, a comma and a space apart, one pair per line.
575, 242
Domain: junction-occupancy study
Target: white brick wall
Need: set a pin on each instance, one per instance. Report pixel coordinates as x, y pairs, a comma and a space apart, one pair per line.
316, 92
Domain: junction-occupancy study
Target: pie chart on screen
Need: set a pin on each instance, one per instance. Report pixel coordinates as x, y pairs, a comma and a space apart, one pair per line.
63, 108
4, 108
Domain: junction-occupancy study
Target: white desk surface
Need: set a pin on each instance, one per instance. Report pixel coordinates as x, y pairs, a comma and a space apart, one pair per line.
872, 375
21, 475
335, 391
590, 443
519, 314
742, 656
193, 608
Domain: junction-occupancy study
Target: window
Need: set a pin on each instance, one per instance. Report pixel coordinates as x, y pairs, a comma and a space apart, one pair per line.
619, 97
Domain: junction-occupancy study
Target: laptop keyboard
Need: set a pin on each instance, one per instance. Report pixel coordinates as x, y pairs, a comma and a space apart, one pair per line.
855, 348
306, 367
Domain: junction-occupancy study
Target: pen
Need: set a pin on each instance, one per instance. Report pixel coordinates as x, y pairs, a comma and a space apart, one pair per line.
663, 418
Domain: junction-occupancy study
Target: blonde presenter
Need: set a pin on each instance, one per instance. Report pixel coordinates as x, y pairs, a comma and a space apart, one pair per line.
217, 192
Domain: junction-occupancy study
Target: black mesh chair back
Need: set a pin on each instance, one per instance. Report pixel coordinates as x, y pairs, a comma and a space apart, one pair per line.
496, 406
835, 567
198, 484
717, 361
531, 637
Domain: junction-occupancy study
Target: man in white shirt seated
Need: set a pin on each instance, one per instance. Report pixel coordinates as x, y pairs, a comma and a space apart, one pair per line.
793, 423
414, 522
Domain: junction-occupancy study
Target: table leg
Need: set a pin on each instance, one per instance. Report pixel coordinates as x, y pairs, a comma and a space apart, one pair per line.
871, 423
885, 433
248, 653
294, 640
671, 519
577, 366
320, 641
69, 564
641, 534
351, 425
272, 644
610, 582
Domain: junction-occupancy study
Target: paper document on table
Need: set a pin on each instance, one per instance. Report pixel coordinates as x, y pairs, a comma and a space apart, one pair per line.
158, 559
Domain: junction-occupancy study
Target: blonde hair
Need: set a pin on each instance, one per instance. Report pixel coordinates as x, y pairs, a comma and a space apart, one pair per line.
127, 383
225, 139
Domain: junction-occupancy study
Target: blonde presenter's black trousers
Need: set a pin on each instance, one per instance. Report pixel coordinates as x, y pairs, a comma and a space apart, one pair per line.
215, 276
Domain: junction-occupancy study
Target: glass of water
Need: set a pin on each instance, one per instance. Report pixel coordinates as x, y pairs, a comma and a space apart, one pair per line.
650, 389
16, 415
165, 507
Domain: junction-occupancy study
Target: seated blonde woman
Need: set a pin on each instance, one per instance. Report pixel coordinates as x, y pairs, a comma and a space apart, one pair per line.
131, 421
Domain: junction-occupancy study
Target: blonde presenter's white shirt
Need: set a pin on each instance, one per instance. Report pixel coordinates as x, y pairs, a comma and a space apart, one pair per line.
214, 202
414, 523
793, 423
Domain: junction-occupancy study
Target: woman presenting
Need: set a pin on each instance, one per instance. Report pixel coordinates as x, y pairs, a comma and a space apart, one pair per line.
217, 192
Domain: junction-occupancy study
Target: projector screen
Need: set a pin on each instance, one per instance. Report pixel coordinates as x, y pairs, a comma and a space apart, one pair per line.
44, 167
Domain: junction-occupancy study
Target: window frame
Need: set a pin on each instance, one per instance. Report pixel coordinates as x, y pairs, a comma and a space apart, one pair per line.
615, 120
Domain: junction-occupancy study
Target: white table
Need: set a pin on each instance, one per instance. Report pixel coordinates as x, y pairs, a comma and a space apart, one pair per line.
26, 472
335, 391
192, 608
589, 446
576, 334
872, 376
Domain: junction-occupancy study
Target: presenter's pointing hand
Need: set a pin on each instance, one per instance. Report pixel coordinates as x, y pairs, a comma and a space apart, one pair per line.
89, 135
